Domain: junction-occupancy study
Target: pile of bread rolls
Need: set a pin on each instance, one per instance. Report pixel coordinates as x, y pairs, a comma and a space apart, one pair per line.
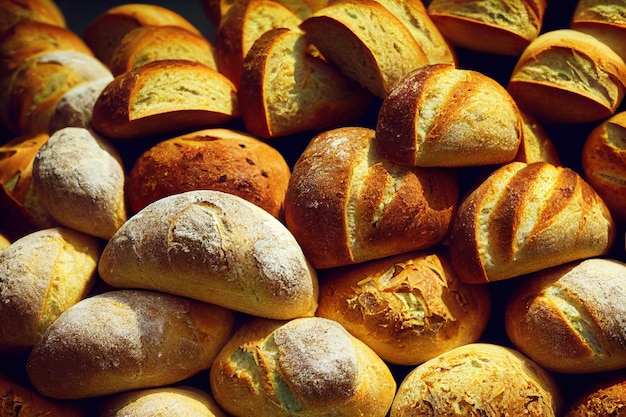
324, 208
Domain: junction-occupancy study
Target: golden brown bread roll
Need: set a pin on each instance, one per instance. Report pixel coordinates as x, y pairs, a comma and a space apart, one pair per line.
604, 20
439, 115
605, 399
216, 159
215, 10
227, 251
307, 366
41, 275
125, 340
526, 217
570, 319
14, 11
346, 204
536, 145
478, 379
408, 308
164, 97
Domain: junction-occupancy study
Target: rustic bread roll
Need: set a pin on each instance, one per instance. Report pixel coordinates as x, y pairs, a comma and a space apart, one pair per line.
536, 145
346, 204
213, 159
306, 366
285, 90
606, 399
147, 44
526, 217
604, 20
164, 97
604, 163
41, 275
566, 76
478, 379
497, 27
13, 12
214, 247
408, 308
570, 319
126, 340
439, 115
180, 401
75, 107
79, 178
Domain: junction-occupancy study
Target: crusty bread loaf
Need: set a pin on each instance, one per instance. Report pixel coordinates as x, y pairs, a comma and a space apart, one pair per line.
147, 44
566, 76
526, 217
478, 379
215, 159
604, 163
536, 145
214, 247
285, 90
605, 399
125, 340
440, 115
602, 19
164, 97
13, 12
497, 27
307, 366
79, 178
41, 275
408, 308
346, 204
75, 107
570, 319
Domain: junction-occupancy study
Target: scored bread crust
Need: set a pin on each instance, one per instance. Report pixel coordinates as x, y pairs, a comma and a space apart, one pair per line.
603, 20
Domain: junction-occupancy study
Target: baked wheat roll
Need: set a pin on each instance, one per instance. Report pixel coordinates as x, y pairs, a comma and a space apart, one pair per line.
604, 20
13, 12
526, 217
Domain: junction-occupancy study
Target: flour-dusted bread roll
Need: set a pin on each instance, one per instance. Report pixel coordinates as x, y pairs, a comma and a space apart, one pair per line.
215, 247
570, 319
179, 401
126, 340
13, 12
603, 19
607, 398
303, 367
526, 217
567, 76
408, 308
286, 90
346, 204
536, 144
164, 97
79, 178
604, 163
440, 115
478, 379
497, 27
75, 108
214, 159
41, 275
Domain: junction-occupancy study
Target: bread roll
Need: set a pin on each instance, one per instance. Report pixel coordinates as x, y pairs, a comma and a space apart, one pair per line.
230, 252
75, 108
41, 275
570, 319
307, 366
603, 20
440, 115
215, 159
604, 163
408, 308
605, 399
566, 76
13, 12
536, 144
164, 97
346, 204
478, 379
528, 217
79, 178
126, 340
215, 10
285, 90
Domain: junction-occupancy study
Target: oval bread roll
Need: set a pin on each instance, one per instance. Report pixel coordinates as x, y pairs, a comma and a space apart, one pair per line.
214, 247
13, 12
602, 19
125, 340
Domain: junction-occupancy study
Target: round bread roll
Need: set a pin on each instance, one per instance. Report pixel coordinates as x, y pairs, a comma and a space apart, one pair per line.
346, 204
567, 76
604, 20
215, 247
408, 308
305, 367
604, 163
75, 107
41, 275
126, 340
478, 379
213, 159
570, 319
440, 115
79, 178
606, 399
13, 12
